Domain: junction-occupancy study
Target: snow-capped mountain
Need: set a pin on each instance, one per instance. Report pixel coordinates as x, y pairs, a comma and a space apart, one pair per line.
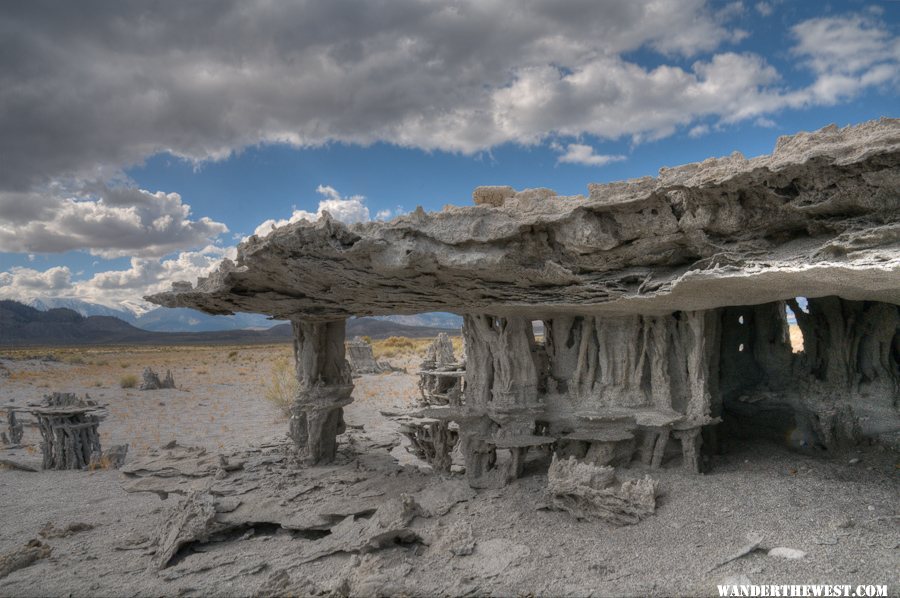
431, 320
164, 319
156, 319
182, 319
85, 308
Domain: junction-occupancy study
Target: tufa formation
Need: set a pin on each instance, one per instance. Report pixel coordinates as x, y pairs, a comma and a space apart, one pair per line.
664, 303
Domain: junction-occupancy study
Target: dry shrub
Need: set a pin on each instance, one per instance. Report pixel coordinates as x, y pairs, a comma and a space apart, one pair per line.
22, 375
129, 381
283, 386
103, 463
398, 342
398, 345
74, 360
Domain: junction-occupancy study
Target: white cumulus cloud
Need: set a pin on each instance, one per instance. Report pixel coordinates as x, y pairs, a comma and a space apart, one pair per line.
88, 89
112, 288
578, 153
345, 209
26, 281
764, 8
108, 221
91, 88
698, 131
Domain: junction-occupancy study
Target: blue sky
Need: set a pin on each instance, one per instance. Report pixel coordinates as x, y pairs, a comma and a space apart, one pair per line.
268, 115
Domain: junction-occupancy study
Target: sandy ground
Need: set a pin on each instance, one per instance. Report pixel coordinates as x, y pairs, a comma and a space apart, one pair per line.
843, 515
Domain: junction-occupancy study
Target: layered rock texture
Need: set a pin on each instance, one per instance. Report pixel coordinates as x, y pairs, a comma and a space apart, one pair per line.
663, 302
362, 358
818, 217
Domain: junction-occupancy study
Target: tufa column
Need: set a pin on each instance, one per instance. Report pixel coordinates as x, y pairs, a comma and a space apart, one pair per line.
325, 387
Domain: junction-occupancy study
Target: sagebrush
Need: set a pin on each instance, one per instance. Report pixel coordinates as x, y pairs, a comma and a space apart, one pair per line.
283, 386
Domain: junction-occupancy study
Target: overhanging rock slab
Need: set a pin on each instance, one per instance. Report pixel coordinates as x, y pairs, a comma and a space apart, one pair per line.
817, 217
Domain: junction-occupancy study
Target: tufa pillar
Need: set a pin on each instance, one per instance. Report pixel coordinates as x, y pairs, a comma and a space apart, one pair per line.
325, 387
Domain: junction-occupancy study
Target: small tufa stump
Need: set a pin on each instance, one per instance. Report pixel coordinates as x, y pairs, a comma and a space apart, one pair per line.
431, 440
69, 430
591, 492
440, 353
362, 359
16, 429
152, 381
441, 377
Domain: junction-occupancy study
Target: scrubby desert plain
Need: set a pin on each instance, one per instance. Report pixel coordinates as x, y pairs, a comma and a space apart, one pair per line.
841, 510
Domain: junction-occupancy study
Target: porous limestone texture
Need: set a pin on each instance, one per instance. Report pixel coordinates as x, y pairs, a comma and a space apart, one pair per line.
362, 359
69, 426
590, 492
325, 386
439, 353
663, 302
818, 217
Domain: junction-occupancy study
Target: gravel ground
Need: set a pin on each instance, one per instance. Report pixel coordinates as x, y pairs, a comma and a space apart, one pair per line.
843, 516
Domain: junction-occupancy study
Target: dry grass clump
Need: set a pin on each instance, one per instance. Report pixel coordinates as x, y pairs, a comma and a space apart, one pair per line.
129, 381
401, 346
398, 342
103, 463
283, 386
398, 345
23, 376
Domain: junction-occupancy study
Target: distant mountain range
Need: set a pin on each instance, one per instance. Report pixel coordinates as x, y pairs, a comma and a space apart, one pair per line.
24, 325
164, 319
431, 320
159, 319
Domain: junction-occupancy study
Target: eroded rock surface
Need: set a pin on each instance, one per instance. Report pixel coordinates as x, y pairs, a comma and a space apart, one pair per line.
338, 509
591, 492
69, 426
362, 359
25, 556
663, 302
817, 217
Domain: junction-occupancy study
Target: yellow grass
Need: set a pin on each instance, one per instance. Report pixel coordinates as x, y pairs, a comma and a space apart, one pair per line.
282, 387
103, 463
107, 367
148, 420
397, 346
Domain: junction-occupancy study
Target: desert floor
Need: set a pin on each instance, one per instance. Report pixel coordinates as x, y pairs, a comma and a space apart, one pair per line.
841, 510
